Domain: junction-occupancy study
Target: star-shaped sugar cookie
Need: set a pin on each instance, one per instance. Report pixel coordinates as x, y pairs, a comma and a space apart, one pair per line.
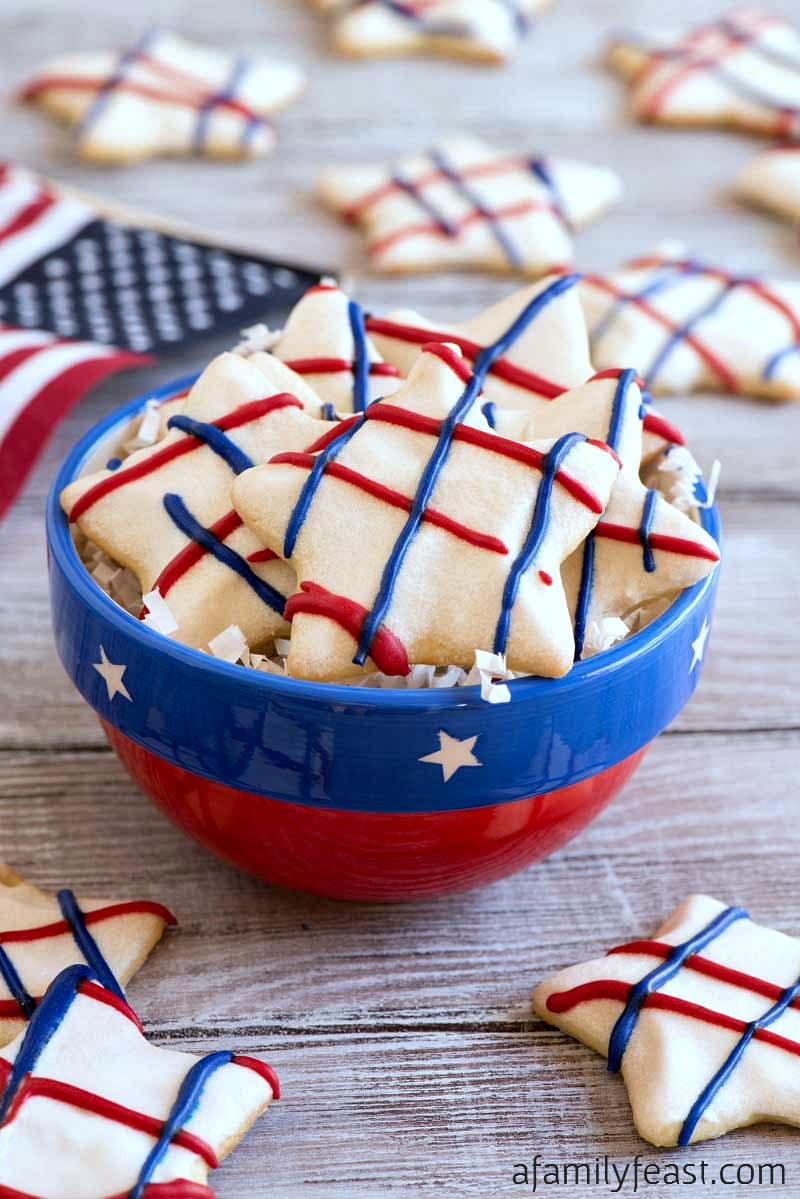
89, 1108
742, 70
40, 934
166, 513
465, 204
643, 551
326, 342
485, 30
686, 325
419, 535
540, 363
703, 1022
165, 96
771, 180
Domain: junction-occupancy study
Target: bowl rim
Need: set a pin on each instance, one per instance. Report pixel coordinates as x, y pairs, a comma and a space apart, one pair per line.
62, 547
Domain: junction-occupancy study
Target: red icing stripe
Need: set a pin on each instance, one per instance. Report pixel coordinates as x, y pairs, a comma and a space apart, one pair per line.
100, 995
264, 555
243, 415
181, 1188
711, 360
396, 500
431, 229
657, 541
261, 1068
191, 554
34, 1087
713, 272
565, 1001
660, 427
337, 366
183, 99
483, 170
517, 376
701, 965
132, 907
387, 650
483, 438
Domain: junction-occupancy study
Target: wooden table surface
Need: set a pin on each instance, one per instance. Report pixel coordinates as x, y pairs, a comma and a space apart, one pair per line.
410, 1060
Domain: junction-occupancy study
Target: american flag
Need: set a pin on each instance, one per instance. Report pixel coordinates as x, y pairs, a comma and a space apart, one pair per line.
82, 296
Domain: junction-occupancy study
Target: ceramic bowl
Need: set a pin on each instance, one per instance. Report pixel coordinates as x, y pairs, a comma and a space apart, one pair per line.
361, 793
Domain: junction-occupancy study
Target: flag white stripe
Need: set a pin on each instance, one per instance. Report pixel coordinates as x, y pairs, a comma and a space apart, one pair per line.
20, 339
54, 228
18, 388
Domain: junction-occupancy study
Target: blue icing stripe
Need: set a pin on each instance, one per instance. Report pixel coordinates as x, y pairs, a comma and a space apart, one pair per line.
666, 277
613, 436
196, 532
240, 68
584, 594
45, 1022
473, 199
413, 192
186, 1103
489, 410
360, 357
646, 528
624, 1028
309, 488
10, 975
715, 1085
618, 410
430, 475
481, 367
540, 170
685, 330
215, 439
126, 60
537, 532
775, 361
86, 943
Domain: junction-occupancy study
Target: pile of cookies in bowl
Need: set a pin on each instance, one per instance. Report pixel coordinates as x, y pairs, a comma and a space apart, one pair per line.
363, 537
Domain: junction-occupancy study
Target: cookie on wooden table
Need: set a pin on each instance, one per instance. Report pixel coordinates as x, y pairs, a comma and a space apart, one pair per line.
165, 95
688, 325
465, 204
89, 1108
742, 70
483, 30
40, 934
703, 1022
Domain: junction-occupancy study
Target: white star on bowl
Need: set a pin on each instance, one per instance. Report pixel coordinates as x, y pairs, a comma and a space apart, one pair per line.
111, 674
699, 645
452, 754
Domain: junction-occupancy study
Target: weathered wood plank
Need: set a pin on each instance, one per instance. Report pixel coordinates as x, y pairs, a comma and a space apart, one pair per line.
697, 816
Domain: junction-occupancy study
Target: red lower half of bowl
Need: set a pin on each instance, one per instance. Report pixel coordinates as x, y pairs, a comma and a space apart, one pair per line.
382, 857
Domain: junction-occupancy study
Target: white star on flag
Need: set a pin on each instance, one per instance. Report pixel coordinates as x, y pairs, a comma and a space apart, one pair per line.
699, 645
111, 674
452, 754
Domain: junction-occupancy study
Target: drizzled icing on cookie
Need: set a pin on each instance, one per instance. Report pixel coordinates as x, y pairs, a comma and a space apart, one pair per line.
19, 1083
664, 275
78, 923
648, 994
445, 432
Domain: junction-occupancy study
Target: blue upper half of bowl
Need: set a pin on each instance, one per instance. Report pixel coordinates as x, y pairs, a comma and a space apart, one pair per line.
353, 748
